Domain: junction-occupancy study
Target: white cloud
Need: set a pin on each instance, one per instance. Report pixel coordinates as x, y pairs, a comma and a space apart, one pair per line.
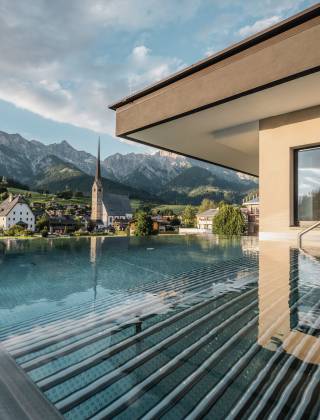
258, 26
52, 63
231, 16
146, 68
209, 52
67, 60
140, 52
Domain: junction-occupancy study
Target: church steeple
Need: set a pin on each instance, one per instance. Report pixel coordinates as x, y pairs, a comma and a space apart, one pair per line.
98, 169
97, 193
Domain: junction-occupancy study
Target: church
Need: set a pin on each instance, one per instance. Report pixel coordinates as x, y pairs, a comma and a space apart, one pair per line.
108, 209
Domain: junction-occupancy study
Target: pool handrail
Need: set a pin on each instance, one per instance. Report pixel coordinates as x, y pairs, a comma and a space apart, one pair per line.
306, 230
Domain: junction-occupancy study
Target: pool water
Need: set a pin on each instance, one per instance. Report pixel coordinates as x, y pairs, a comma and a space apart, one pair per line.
164, 327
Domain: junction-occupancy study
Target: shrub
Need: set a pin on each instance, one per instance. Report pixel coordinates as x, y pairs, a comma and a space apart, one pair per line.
43, 222
4, 196
207, 204
81, 233
67, 195
144, 225
189, 216
44, 233
78, 194
16, 230
229, 221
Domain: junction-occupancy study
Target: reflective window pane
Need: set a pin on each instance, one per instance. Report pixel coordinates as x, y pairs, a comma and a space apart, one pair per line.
308, 184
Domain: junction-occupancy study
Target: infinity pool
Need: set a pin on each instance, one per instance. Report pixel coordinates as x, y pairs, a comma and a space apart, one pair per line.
167, 327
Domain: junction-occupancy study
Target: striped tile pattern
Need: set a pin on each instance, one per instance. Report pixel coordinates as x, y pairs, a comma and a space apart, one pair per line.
184, 347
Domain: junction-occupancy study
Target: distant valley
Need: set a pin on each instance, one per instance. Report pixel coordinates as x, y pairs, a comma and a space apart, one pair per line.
159, 177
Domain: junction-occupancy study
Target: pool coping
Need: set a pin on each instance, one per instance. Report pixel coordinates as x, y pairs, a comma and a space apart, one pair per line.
19, 396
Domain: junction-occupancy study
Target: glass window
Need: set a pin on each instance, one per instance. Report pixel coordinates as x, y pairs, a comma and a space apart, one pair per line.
308, 184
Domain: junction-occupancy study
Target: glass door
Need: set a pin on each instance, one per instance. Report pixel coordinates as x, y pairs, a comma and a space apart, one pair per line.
307, 185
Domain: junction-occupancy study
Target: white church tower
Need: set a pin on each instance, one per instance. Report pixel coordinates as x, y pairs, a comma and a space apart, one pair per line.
97, 193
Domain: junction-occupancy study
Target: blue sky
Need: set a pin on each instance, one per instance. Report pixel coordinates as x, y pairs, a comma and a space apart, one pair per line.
62, 62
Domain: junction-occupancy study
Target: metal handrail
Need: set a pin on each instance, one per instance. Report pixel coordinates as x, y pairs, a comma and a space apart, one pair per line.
303, 232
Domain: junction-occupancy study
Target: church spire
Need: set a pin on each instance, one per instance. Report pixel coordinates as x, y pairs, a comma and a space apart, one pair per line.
98, 170
97, 193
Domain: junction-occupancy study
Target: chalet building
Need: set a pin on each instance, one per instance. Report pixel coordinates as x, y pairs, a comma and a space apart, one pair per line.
205, 218
16, 211
63, 224
163, 223
252, 207
106, 207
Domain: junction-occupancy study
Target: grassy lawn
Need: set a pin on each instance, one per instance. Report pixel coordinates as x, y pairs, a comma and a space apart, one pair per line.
155, 207
176, 208
44, 198
135, 203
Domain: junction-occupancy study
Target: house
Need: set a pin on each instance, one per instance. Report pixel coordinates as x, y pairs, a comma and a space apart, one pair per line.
38, 205
120, 224
38, 212
16, 211
253, 107
107, 207
251, 206
163, 224
63, 224
205, 219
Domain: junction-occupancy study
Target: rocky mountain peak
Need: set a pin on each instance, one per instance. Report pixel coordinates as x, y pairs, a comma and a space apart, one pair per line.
154, 173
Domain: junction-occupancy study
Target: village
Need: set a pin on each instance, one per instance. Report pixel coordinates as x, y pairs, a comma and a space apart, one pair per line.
112, 214
22, 216
109, 214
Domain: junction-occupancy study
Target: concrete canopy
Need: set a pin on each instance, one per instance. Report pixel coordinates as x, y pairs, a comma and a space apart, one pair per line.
211, 110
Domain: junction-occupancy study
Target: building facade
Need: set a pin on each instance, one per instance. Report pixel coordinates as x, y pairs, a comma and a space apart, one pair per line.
108, 208
62, 225
205, 219
15, 211
252, 207
253, 107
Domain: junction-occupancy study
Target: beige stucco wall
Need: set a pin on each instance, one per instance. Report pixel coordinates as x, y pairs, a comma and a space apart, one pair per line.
278, 137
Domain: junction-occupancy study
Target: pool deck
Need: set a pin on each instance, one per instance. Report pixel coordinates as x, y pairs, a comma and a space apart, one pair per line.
20, 399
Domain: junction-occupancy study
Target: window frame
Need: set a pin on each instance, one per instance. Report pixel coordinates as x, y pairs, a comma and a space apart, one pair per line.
296, 151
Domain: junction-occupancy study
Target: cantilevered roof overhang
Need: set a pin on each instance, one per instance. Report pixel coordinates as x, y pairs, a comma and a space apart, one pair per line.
211, 110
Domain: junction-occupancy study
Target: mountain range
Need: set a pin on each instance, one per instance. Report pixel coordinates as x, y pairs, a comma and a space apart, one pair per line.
162, 176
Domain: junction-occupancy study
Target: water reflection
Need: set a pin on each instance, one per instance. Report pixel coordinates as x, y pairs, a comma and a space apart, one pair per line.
293, 323
203, 323
95, 254
48, 274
